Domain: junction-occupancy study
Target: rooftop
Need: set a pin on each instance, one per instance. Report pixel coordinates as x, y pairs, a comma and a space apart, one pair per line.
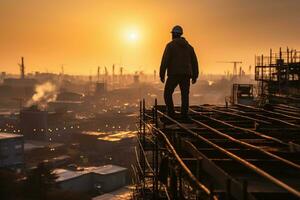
65, 174
8, 135
124, 193
106, 169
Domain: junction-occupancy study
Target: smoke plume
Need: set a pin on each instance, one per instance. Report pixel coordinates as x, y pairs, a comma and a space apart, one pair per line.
44, 93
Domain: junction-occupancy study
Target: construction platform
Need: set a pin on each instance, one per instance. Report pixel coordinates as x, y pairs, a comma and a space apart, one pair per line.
235, 152
278, 76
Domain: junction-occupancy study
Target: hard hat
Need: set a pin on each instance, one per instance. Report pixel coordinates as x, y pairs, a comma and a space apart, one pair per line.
177, 29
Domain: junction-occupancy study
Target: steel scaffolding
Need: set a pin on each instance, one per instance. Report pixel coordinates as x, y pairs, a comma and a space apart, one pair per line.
279, 76
235, 152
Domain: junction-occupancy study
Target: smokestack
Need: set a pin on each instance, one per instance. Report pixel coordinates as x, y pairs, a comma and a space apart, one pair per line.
22, 68
113, 75
240, 73
106, 72
121, 71
98, 73
113, 71
62, 70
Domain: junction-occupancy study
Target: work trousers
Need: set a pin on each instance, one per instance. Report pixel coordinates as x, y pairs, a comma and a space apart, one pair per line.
171, 84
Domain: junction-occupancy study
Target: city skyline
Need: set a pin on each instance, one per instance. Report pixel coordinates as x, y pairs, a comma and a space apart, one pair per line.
84, 35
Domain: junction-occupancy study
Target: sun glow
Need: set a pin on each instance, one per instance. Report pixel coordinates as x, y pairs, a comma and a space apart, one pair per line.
132, 36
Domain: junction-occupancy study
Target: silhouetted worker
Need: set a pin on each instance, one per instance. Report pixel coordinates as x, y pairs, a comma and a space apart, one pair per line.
180, 62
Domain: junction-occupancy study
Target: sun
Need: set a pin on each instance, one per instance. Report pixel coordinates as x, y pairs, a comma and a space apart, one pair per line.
132, 36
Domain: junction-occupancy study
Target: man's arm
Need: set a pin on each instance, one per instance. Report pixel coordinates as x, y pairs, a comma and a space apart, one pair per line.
164, 64
195, 67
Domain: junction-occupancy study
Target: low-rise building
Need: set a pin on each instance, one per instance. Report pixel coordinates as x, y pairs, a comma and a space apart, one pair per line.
124, 193
11, 150
101, 179
34, 123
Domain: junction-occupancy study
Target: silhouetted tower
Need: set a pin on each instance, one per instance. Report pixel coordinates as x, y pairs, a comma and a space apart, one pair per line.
113, 71
121, 79
234, 71
113, 75
154, 75
22, 68
98, 74
62, 69
106, 71
3, 74
121, 71
136, 78
241, 72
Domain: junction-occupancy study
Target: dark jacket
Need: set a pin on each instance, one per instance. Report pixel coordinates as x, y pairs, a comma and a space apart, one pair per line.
179, 59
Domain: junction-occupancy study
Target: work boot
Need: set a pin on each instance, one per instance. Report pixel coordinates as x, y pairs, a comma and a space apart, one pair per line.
171, 114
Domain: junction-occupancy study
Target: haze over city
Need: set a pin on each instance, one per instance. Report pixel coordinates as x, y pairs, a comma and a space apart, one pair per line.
82, 35
149, 100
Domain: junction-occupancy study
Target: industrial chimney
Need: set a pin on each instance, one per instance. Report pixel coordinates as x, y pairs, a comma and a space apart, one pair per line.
22, 68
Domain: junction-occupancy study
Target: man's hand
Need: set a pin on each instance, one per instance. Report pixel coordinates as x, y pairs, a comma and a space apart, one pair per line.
162, 79
194, 80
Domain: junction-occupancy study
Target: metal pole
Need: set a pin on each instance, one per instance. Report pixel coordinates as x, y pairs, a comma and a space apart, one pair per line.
228, 189
144, 142
156, 146
270, 63
154, 163
245, 188
211, 195
140, 119
180, 184
155, 106
262, 75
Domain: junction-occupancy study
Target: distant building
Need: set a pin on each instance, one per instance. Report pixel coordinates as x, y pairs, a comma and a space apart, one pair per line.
23, 83
69, 96
17, 88
101, 88
64, 106
136, 79
11, 150
66, 101
33, 122
3, 75
124, 193
100, 179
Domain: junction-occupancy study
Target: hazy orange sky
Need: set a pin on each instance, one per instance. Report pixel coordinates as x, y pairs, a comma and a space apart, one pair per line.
82, 34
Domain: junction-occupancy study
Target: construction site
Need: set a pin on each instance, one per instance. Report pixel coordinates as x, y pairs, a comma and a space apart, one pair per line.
150, 100
248, 148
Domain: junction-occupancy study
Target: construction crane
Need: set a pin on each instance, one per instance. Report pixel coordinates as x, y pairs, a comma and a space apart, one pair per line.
235, 63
